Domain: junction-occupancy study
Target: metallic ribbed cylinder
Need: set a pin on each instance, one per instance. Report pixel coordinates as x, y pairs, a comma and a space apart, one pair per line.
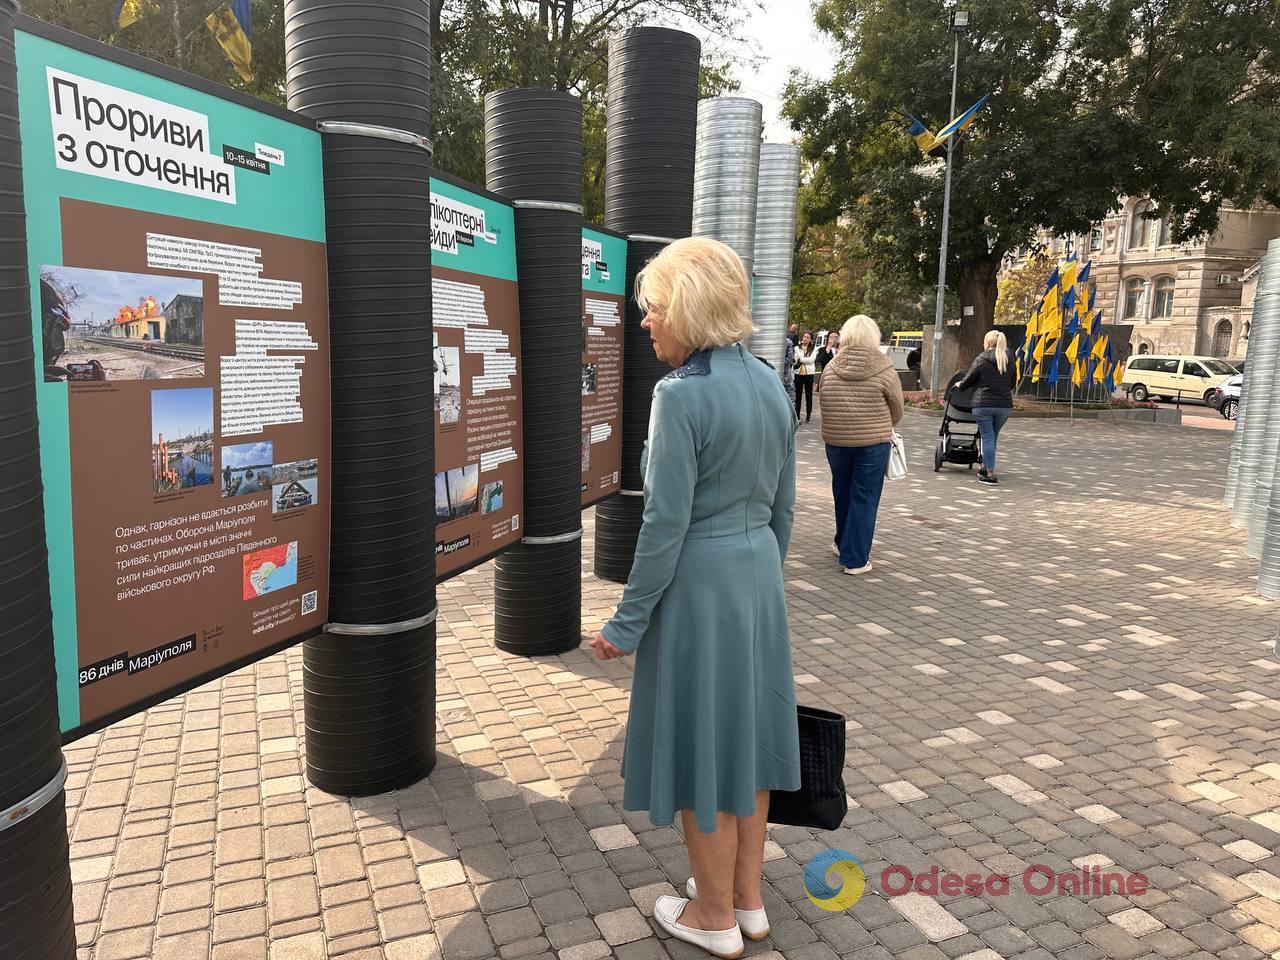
726, 173
1267, 305
1255, 416
1233, 458
775, 243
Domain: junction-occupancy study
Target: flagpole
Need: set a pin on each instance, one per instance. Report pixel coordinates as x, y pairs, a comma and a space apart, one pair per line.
935, 368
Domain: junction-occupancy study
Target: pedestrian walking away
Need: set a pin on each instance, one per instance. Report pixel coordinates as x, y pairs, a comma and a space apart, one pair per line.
806, 366
991, 377
712, 726
860, 405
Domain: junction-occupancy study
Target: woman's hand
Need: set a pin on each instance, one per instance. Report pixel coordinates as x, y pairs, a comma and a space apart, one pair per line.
604, 649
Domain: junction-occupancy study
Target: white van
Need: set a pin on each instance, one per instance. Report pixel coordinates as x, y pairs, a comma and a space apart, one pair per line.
1187, 378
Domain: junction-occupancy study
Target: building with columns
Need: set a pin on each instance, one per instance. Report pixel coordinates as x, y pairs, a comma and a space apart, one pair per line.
1181, 298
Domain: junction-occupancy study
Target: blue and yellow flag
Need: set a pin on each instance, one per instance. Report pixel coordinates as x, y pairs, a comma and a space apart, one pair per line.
922, 135
129, 12
232, 26
1069, 313
960, 123
931, 143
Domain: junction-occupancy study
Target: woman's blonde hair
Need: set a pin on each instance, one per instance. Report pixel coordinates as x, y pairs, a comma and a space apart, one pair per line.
701, 287
995, 340
860, 331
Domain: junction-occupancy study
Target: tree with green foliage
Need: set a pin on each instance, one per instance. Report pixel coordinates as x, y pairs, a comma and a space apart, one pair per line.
1021, 287
1091, 100
833, 279
174, 33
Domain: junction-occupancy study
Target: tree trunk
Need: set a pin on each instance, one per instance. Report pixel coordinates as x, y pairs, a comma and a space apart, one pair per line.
437, 12
977, 290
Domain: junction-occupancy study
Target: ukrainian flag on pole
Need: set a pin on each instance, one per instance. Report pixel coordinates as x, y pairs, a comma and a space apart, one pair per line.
232, 26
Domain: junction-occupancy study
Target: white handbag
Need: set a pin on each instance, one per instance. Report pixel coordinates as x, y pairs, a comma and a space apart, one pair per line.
896, 468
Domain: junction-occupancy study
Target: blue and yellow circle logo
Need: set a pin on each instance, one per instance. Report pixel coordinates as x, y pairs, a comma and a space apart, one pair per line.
834, 880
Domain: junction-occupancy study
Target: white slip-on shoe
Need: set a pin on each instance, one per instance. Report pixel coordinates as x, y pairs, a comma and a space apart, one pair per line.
856, 571
725, 944
753, 923
835, 549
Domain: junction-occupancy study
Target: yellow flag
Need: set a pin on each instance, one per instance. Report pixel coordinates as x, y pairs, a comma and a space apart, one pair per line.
129, 12
1067, 275
1073, 349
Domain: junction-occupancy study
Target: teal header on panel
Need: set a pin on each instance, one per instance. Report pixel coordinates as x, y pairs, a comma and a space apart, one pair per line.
472, 232
102, 131
604, 262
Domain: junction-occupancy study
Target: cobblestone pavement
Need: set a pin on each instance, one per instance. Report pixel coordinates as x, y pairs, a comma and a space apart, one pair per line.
1068, 670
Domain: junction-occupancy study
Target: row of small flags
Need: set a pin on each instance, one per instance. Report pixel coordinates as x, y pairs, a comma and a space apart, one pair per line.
231, 25
1066, 326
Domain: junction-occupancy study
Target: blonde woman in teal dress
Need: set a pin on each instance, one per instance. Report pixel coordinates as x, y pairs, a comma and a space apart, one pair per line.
712, 727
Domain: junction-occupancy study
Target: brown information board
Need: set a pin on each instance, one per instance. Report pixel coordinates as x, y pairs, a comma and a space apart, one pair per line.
180, 308
475, 307
604, 302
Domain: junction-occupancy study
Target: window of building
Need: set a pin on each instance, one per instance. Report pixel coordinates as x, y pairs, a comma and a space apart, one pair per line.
1165, 232
1140, 226
1095, 238
1144, 348
1162, 305
1134, 293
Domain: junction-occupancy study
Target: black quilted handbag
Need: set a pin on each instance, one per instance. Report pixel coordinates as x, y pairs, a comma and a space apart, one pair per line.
821, 801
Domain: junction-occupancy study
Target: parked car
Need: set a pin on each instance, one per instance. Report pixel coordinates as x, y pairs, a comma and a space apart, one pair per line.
1170, 377
1226, 397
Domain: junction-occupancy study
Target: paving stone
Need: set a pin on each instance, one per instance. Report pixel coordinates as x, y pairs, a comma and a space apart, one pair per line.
195, 815
464, 937
513, 925
623, 926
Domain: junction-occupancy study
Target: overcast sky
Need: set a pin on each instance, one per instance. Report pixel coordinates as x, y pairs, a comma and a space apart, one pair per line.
784, 34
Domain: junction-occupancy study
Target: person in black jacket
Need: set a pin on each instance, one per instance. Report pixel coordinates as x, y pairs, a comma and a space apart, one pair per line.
992, 374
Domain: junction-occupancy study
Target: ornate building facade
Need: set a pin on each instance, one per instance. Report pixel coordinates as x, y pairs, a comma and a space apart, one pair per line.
1181, 298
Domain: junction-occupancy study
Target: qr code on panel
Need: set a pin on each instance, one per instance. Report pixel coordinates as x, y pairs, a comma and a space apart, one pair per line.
310, 602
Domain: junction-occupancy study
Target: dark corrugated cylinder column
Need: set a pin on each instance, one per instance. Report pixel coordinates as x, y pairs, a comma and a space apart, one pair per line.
362, 70
652, 118
533, 156
35, 873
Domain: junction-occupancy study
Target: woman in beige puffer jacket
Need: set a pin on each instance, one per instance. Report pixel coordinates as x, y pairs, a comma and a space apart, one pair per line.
860, 402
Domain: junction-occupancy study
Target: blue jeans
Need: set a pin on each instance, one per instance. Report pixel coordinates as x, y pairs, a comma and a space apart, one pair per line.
857, 478
990, 422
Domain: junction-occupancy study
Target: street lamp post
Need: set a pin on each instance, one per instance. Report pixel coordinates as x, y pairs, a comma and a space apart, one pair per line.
959, 25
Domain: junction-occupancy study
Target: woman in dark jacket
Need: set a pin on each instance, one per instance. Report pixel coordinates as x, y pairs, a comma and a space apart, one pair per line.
992, 375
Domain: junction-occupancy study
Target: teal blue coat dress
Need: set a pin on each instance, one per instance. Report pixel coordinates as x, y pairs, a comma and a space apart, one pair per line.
713, 708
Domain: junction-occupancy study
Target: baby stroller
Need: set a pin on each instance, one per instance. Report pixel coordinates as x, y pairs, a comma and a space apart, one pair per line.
958, 436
